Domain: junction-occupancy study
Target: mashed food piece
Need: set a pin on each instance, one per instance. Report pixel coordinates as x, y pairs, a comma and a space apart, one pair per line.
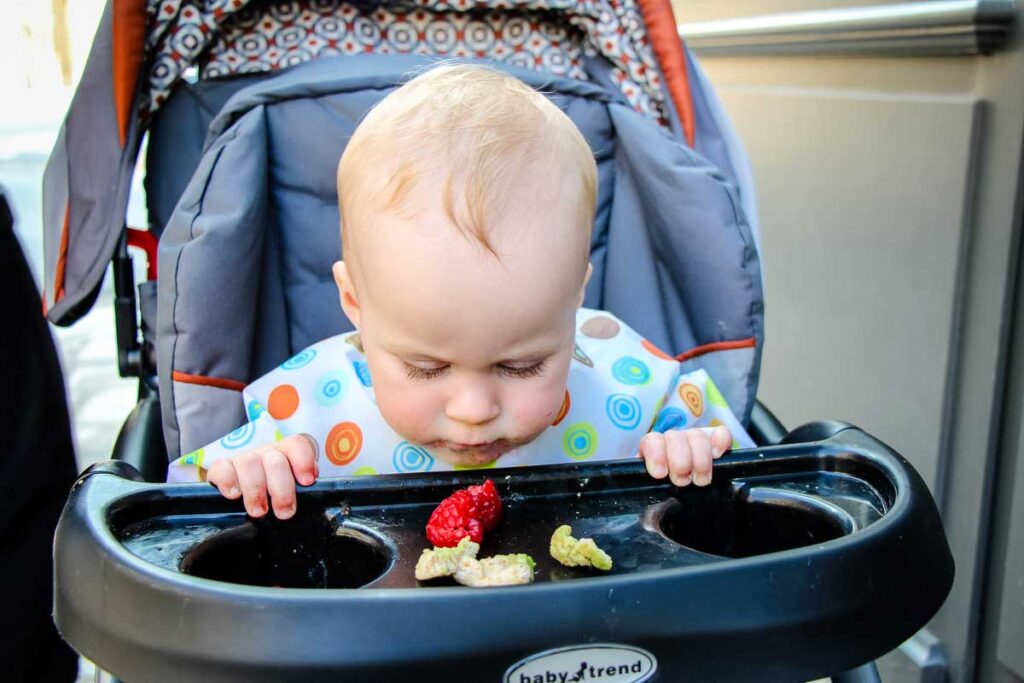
500, 570
433, 564
581, 552
461, 562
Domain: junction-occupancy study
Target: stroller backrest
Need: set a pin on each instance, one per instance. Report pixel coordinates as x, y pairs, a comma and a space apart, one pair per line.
145, 51
245, 258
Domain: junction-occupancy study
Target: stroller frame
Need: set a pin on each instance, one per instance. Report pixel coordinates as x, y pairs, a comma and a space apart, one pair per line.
141, 445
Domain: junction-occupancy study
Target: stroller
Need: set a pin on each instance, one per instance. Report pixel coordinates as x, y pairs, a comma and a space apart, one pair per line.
247, 106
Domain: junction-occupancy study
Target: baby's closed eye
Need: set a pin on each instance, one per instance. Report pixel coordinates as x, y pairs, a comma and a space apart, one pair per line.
518, 371
417, 372
534, 370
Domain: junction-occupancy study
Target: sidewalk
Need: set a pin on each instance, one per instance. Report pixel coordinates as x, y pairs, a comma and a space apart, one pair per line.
36, 99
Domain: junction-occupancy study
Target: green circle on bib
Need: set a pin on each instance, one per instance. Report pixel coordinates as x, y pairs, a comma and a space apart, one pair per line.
579, 441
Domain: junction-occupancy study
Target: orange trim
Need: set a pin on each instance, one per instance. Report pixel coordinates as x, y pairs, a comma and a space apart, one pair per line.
128, 26
668, 48
62, 257
219, 382
748, 343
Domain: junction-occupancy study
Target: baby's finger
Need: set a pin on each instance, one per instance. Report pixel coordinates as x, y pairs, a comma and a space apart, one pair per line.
679, 461
301, 451
280, 483
253, 482
652, 450
721, 440
700, 454
222, 475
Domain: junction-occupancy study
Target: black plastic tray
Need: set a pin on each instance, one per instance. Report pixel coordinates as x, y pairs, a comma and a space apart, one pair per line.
801, 560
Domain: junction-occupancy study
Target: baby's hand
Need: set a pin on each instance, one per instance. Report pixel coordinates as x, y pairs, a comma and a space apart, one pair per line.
272, 469
685, 455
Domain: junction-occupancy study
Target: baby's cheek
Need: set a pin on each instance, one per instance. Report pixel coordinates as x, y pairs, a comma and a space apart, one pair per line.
407, 413
535, 410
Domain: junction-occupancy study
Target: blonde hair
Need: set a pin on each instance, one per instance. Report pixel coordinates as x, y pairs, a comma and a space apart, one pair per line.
476, 131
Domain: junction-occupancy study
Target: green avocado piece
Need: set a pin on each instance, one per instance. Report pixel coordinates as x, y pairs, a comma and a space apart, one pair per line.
577, 552
433, 564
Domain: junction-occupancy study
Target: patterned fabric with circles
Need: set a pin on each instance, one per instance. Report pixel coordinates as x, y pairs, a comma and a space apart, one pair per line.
227, 37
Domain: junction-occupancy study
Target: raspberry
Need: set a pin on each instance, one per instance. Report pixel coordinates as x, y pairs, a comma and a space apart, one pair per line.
467, 512
454, 519
488, 504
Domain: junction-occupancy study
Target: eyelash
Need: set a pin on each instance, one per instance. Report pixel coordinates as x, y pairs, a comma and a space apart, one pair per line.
416, 372
530, 371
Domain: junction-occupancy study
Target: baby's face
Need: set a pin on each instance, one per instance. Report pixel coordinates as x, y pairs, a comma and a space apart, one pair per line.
469, 355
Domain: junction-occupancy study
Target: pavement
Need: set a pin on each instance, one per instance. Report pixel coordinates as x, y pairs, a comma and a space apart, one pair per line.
37, 89
34, 104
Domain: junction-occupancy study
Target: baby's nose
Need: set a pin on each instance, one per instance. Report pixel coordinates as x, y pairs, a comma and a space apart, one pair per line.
473, 405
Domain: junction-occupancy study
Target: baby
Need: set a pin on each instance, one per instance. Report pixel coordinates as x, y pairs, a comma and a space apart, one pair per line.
467, 201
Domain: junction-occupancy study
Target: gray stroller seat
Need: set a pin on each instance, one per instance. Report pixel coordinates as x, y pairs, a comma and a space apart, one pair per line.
244, 262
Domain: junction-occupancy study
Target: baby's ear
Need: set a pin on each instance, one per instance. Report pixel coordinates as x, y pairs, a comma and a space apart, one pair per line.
346, 292
583, 287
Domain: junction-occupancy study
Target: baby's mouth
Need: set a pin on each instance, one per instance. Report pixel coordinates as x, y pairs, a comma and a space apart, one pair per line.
474, 453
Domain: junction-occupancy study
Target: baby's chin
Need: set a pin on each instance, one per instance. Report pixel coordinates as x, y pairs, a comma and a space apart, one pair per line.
470, 461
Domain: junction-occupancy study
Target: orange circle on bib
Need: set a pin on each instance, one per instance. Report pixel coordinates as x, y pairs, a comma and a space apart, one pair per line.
564, 410
283, 402
693, 399
654, 350
344, 442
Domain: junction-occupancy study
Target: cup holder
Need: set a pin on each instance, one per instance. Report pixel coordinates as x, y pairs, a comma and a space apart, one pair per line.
745, 521
293, 554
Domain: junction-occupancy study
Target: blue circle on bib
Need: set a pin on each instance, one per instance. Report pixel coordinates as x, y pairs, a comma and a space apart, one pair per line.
623, 410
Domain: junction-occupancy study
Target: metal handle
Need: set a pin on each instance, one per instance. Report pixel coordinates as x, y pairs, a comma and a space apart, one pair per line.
939, 27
